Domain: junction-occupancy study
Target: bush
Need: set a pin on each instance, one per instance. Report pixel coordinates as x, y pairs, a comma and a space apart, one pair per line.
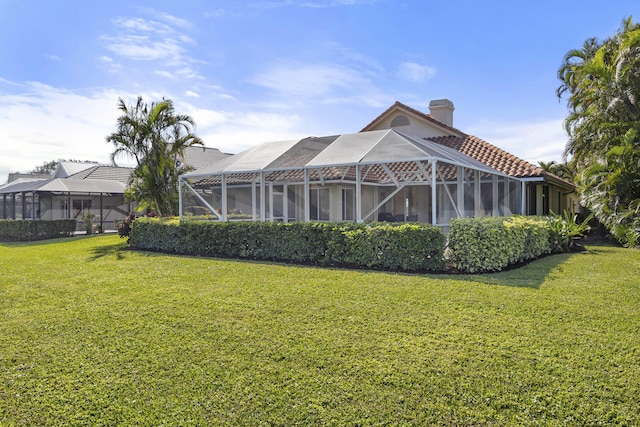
493, 243
29, 230
566, 230
405, 247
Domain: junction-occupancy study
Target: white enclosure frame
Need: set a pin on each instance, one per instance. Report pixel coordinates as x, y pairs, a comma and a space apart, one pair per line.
392, 176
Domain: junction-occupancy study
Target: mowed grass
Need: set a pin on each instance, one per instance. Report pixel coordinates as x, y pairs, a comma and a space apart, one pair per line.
93, 334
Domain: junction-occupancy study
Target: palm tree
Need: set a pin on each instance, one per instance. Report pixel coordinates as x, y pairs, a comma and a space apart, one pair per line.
155, 137
602, 85
562, 170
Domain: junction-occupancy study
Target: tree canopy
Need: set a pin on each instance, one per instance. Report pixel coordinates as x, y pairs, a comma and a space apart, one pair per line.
601, 83
155, 137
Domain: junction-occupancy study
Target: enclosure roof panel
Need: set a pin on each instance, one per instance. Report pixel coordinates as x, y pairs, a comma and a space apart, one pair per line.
64, 185
348, 148
253, 159
83, 186
380, 146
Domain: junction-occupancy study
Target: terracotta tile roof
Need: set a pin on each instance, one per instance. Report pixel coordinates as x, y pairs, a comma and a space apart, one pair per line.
496, 158
491, 156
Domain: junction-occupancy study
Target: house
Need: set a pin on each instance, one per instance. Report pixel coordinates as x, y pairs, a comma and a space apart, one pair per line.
543, 191
404, 166
77, 188
72, 190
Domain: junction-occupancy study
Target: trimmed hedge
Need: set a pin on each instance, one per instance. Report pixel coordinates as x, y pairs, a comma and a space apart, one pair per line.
493, 243
403, 247
29, 230
475, 245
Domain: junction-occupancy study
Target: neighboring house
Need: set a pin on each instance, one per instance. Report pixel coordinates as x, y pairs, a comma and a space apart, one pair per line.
77, 188
403, 166
72, 190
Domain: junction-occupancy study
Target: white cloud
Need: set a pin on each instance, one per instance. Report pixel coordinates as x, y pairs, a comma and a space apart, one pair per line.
304, 80
142, 39
165, 74
535, 141
414, 72
45, 123
330, 83
143, 48
192, 94
234, 131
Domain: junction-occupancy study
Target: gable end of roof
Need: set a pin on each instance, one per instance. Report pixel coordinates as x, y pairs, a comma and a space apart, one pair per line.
417, 113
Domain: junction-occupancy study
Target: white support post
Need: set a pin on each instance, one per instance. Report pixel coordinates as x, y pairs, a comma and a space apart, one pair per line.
307, 204
460, 192
254, 201
224, 198
262, 198
285, 203
358, 195
477, 195
180, 198
434, 198
494, 196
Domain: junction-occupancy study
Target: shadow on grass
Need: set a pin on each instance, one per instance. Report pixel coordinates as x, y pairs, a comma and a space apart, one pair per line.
43, 242
114, 251
531, 275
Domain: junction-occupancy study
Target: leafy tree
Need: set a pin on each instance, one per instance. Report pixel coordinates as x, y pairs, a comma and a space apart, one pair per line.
155, 137
45, 167
562, 170
602, 84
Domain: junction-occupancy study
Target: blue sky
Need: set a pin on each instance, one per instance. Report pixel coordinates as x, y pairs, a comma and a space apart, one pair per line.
253, 71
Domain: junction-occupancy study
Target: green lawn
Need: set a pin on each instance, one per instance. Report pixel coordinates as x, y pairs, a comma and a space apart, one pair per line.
92, 334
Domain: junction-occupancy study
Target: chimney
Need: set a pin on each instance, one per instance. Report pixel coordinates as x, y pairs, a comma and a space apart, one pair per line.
442, 111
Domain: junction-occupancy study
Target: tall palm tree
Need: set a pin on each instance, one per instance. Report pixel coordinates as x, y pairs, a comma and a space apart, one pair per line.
602, 85
562, 170
155, 137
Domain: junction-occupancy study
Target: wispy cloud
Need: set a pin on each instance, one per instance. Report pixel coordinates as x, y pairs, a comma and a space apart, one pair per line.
414, 72
308, 80
159, 39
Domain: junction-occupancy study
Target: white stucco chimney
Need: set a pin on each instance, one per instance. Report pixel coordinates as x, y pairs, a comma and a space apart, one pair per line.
442, 111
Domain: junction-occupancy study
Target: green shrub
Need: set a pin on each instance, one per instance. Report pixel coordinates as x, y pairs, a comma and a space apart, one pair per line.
405, 247
29, 230
566, 230
493, 243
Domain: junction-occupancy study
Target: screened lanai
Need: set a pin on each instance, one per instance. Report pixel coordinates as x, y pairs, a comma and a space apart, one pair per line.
382, 175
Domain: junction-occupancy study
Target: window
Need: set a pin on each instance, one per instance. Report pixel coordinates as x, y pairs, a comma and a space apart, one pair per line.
80, 207
319, 204
545, 200
348, 204
400, 120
